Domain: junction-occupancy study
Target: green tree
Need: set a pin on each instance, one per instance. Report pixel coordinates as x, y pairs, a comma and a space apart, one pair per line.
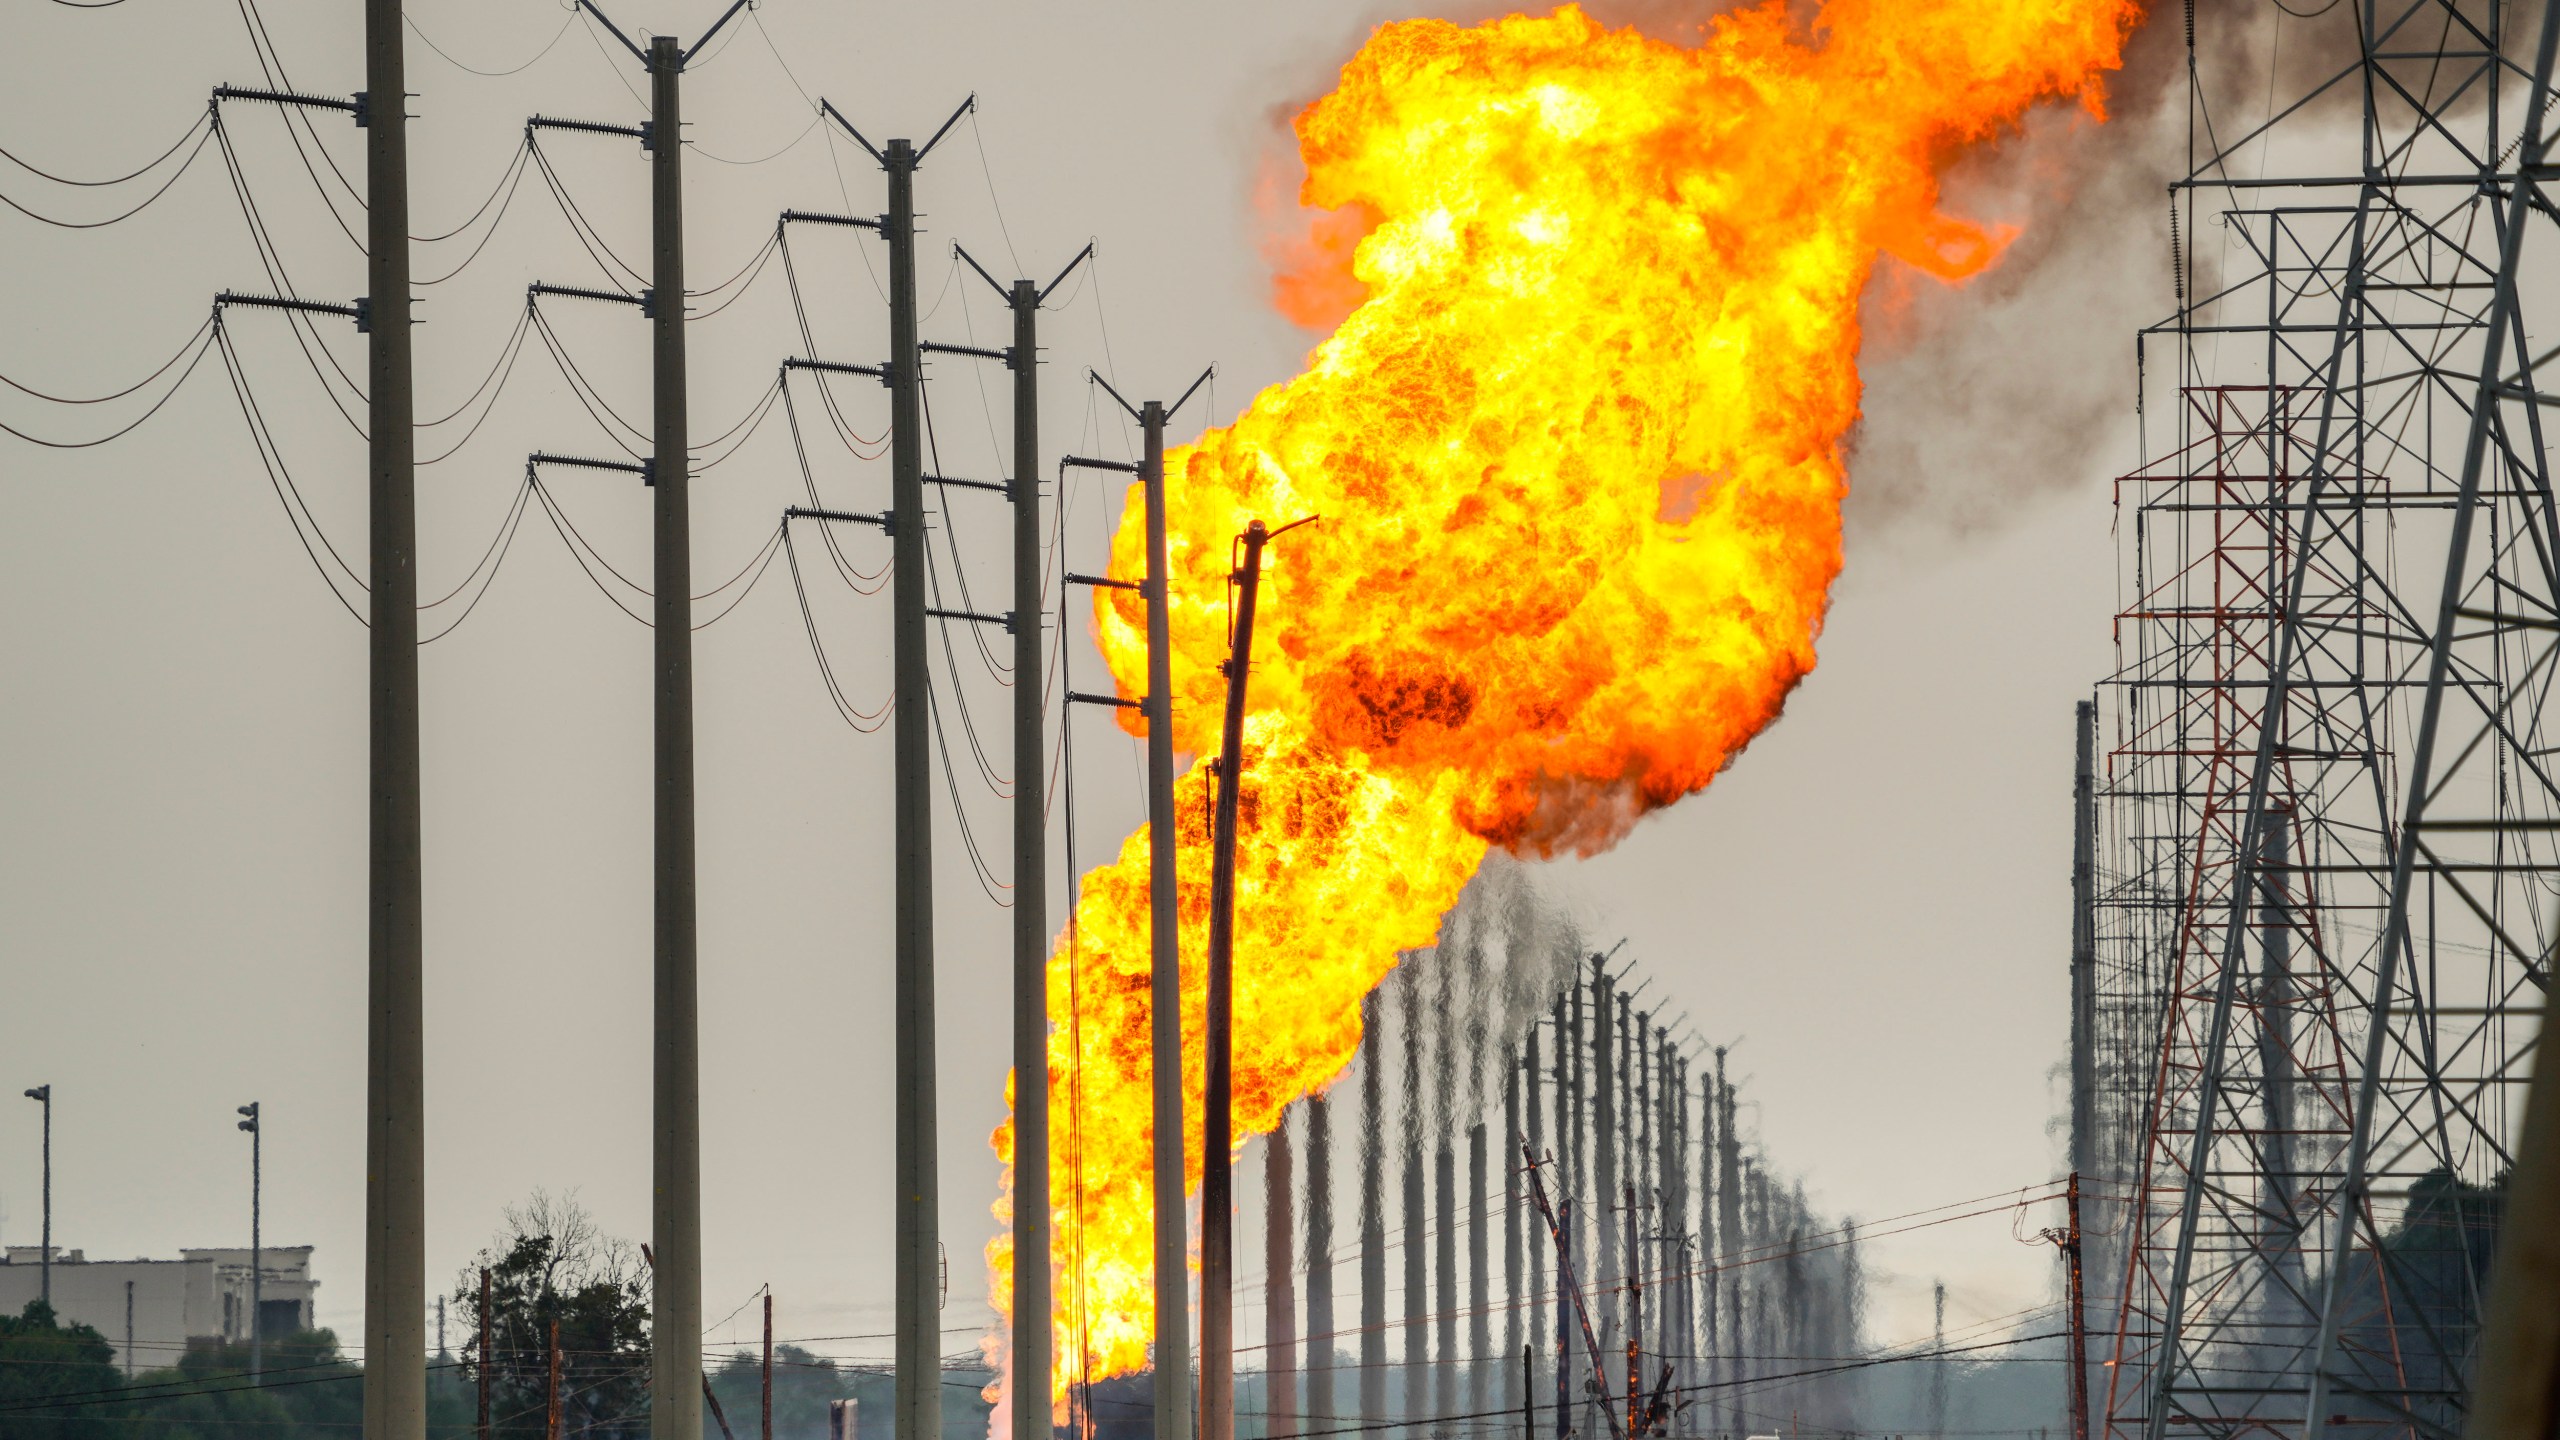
306, 1390
551, 1265
803, 1383
57, 1382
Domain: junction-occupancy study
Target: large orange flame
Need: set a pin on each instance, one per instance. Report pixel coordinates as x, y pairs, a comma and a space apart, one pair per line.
1578, 454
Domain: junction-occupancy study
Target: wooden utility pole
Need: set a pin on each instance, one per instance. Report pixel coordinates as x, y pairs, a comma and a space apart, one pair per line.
551, 1391
485, 1358
767, 1428
1217, 1147
2071, 1254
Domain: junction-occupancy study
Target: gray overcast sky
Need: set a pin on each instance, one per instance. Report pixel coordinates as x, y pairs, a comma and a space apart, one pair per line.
1875, 896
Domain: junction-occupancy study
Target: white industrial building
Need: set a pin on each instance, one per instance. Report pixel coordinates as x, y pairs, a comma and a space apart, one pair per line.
150, 1309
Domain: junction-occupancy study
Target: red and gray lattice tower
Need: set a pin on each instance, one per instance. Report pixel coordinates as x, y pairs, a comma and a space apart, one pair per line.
2330, 813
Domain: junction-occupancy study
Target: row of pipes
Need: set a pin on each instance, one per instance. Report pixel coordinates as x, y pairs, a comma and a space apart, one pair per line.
1712, 1297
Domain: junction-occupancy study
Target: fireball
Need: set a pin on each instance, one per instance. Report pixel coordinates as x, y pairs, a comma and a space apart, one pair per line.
1578, 449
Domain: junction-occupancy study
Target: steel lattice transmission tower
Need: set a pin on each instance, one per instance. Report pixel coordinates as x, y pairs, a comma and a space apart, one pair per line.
2330, 820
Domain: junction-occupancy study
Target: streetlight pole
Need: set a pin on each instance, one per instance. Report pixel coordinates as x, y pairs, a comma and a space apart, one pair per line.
43, 1095
257, 1250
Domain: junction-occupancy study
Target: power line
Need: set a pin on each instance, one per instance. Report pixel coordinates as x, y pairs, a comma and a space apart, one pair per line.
117, 219
133, 174
447, 57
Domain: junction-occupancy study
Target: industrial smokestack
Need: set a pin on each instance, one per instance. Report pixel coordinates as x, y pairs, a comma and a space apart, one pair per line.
1604, 1100
1710, 1250
1479, 1280
1535, 1277
1373, 1218
1320, 1325
1444, 1248
1645, 1265
1729, 1232
1417, 1241
1513, 1300
1280, 1292
1573, 1059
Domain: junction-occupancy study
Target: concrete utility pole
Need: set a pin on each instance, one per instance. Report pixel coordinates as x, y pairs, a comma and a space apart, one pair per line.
918, 1281
676, 1217
1032, 1247
257, 1244
43, 1095
1173, 1311
1173, 1285
395, 1251
1031, 1243
675, 1221
919, 1163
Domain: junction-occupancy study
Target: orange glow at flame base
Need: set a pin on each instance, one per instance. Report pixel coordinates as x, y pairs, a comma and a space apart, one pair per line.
1579, 457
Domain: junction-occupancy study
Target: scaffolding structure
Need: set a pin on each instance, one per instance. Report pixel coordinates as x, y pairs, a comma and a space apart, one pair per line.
2328, 814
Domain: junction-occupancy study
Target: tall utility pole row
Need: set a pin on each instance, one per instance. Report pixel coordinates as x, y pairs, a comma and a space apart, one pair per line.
395, 1270
394, 1389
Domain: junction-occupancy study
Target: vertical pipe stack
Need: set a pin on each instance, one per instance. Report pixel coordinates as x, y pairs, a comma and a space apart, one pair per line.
1711, 1245
1604, 1091
1373, 1215
1444, 1254
1573, 1062
1513, 1389
1535, 1280
395, 1222
1416, 1374
1729, 1232
1320, 1323
675, 1322
1280, 1293
1480, 1359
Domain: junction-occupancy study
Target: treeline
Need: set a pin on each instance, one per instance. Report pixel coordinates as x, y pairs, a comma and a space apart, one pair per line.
565, 1312
61, 1382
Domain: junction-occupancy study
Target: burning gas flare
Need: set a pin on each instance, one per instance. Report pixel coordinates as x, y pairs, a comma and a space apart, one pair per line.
1578, 453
